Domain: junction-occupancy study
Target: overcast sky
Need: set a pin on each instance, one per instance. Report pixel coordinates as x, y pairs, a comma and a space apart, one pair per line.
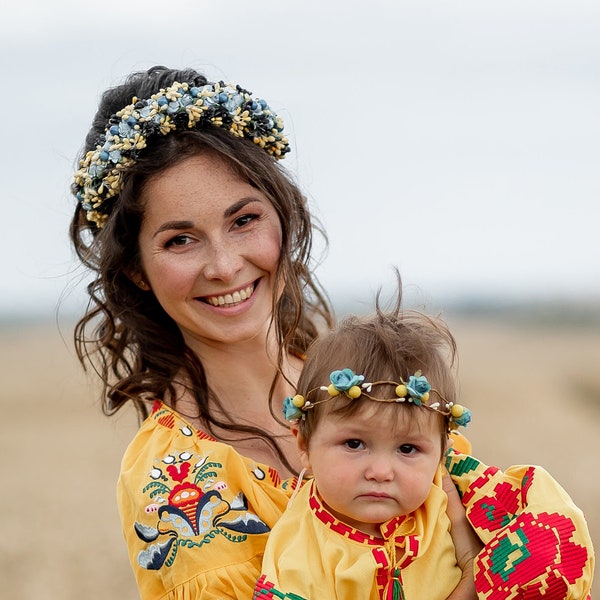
459, 141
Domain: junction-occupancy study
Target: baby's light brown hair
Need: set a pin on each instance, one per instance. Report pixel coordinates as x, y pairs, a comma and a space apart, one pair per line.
388, 345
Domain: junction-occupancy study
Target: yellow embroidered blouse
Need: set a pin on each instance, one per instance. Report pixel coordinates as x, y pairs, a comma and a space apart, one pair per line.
196, 516
536, 544
312, 555
195, 513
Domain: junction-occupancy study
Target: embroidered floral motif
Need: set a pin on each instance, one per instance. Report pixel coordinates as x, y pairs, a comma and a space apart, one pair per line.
528, 555
533, 556
497, 509
186, 495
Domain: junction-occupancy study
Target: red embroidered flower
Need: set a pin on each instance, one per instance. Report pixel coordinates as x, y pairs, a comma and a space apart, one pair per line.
533, 558
497, 509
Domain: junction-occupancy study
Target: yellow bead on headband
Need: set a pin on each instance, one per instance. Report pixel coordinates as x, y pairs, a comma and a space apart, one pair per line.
417, 390
179, 106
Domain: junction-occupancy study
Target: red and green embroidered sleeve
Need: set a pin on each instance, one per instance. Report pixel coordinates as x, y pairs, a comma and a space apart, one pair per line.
537, 544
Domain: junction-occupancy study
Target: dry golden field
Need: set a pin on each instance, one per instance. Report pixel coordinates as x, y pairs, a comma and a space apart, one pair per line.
534, 392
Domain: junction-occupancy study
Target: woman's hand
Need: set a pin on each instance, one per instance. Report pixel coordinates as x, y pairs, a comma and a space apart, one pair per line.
466, 544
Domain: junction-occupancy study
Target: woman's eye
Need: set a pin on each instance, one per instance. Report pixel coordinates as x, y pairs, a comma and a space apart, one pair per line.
178, 240
244, 220
407, 449
354, 444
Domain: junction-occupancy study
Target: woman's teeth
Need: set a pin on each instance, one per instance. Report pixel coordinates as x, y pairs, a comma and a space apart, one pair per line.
230, 299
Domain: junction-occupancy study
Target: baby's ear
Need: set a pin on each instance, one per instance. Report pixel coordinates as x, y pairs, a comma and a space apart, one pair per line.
302, 446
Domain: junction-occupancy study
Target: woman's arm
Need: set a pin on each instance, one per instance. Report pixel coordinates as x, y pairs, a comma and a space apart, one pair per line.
466, 544
536, 540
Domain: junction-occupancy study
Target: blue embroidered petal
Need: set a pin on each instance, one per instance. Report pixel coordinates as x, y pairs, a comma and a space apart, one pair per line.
210, 506
148, 534
246, 523
154, 556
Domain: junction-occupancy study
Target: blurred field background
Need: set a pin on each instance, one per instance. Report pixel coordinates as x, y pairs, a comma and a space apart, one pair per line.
533, 385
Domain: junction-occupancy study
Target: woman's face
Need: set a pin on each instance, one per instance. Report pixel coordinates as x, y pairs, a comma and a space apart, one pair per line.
210, 246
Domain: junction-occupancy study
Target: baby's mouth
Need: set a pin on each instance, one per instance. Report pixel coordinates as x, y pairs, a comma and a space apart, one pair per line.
230, 299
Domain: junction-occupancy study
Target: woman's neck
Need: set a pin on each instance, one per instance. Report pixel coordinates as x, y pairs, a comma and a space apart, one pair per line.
240, 377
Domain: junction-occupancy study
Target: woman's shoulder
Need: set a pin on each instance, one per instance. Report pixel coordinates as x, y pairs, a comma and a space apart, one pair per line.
164, 432
170, 461
167, 439
192, 502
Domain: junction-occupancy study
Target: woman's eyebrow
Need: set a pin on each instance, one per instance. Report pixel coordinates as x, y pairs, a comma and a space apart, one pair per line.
173, 225
231, 210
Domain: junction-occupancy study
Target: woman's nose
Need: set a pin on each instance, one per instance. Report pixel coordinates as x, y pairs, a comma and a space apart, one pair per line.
223, 261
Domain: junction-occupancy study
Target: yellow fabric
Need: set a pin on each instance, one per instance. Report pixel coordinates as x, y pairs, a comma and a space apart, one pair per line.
460, 443
196, 516
195, 513
312, 557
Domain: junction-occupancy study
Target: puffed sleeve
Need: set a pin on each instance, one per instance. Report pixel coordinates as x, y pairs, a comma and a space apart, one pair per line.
536, 540
195, 513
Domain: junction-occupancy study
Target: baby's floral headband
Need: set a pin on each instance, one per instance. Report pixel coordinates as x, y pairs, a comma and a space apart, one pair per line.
417, 390
180, 106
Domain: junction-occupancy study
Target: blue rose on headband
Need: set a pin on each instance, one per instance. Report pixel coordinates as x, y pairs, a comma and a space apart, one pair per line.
418, 387
463, 419
345, 379
290, 411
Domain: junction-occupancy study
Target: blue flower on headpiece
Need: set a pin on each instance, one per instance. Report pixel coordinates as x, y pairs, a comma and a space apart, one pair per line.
214, 105
115, 156
290, 411
464, 419
174, 106
125, 129
98, 169
145, 111
417, 387
345, 379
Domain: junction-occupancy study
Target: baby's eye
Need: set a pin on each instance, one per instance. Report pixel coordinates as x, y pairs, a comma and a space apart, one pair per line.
407, 449
354, 444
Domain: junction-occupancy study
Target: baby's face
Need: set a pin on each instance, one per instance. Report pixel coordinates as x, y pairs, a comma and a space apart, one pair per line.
369, 470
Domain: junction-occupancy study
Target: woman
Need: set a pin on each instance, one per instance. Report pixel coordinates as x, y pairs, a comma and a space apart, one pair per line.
202, 306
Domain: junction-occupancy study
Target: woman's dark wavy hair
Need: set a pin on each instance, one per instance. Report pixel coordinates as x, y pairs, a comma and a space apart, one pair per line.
125, 335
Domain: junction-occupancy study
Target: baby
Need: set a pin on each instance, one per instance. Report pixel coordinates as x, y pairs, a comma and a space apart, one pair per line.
373, 419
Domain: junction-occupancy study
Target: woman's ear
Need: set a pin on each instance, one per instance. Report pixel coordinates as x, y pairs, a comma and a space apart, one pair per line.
138, 278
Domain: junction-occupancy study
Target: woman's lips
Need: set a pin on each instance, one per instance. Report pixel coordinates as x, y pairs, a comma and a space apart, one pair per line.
230, 299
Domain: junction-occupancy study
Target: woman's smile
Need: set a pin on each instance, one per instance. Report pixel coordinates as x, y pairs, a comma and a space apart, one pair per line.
230, 298
210, 245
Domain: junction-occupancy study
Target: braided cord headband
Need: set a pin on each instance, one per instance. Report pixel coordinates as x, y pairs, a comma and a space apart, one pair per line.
100, 173
417, 390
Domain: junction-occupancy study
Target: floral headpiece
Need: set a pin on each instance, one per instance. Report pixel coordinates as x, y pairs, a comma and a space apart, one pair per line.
416, 390
220, 104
